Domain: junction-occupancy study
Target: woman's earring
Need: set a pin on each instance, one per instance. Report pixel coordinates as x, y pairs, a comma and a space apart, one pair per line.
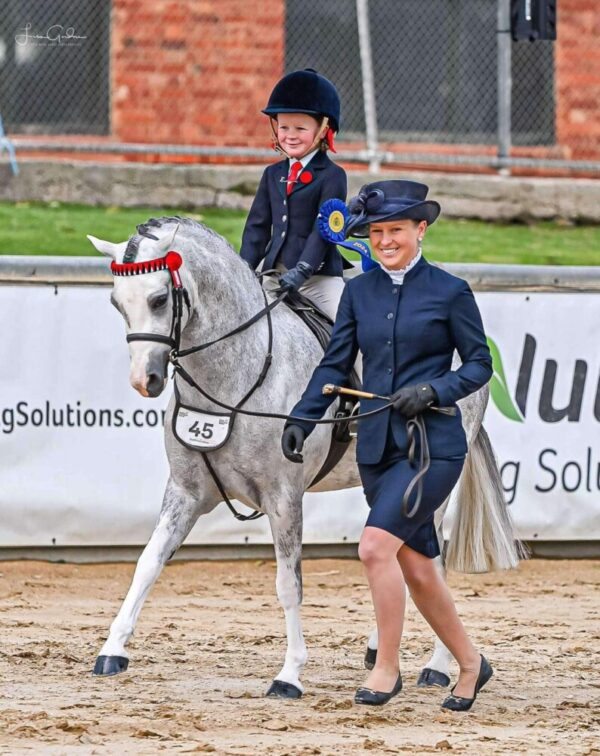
420, 244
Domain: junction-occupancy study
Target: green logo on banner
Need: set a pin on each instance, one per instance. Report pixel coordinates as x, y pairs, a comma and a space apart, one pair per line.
498, 388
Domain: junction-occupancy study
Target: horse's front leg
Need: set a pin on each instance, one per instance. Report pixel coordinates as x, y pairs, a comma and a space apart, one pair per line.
285, 517
179, 512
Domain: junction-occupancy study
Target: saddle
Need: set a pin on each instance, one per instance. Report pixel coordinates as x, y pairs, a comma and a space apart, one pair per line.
321, 326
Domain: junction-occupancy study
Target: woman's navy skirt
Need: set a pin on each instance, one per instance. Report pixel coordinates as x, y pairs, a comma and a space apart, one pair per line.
384, 485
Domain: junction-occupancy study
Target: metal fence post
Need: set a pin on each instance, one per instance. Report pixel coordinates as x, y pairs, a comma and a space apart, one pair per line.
368, 81
504, 84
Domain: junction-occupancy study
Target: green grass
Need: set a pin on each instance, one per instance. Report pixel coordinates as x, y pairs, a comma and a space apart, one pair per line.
31, 228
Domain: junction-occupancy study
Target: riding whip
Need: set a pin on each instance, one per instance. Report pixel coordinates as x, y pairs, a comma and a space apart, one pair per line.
329, 388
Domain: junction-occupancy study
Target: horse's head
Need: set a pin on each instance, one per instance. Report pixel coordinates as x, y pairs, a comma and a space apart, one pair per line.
145, 301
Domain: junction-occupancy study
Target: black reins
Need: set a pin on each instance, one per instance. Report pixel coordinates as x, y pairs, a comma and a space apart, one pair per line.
172, 261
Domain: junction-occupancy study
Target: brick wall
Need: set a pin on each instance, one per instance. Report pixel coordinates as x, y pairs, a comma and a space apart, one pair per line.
577, 61
199, 72
195, 71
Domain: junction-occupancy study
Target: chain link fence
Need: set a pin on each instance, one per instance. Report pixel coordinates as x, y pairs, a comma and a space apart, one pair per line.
434, 83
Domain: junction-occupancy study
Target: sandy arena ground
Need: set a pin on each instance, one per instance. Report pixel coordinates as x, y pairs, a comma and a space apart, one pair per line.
211, 636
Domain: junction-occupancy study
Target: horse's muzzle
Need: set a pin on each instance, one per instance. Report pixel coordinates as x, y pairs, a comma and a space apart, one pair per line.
153, 377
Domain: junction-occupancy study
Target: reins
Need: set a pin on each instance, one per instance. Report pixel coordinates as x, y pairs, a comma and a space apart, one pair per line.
172, 262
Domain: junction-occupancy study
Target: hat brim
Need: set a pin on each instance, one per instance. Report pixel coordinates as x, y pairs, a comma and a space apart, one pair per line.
273, 112
428, 210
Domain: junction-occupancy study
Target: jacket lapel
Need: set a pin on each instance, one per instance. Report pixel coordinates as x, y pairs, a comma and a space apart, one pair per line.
280, 175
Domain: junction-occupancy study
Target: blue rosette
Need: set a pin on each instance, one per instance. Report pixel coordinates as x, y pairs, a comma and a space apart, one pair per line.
332, 222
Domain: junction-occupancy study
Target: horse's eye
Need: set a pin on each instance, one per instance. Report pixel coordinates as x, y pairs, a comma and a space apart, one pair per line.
159, 302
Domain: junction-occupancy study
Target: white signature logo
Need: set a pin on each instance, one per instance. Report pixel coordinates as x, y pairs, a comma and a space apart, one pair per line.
55, 33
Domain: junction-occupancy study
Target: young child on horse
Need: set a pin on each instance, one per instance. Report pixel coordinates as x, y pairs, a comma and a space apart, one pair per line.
281, 229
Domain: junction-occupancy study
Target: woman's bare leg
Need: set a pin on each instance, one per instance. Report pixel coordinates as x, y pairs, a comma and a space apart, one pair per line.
433, 599
378, 551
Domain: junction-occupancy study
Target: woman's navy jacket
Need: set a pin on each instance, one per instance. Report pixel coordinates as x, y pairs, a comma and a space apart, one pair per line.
407, 335
283, 228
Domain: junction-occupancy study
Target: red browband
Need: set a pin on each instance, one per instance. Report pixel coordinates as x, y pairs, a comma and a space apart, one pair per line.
171, 261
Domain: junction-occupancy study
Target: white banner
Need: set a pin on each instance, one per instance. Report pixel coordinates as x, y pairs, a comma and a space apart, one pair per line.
82, 459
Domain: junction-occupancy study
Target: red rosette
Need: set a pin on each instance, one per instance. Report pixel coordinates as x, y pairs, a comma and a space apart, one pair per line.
306, 177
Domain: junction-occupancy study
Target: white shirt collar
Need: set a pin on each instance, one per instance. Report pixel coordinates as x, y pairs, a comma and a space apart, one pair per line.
305, 160
397, 276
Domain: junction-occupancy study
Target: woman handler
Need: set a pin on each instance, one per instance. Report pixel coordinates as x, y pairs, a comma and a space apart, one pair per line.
406, 317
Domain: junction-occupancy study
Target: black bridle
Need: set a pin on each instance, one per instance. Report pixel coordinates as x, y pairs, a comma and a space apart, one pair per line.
172, 261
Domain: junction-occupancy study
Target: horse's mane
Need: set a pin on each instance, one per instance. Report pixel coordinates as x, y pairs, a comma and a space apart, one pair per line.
144, 230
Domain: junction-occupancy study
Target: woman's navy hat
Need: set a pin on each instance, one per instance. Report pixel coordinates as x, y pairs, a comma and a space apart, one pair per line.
389, 200
305, 92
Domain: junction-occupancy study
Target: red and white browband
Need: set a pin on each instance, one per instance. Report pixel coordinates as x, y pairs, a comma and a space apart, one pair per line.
172, 261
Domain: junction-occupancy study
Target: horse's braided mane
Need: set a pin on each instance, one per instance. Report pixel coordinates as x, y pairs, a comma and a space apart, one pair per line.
143, 229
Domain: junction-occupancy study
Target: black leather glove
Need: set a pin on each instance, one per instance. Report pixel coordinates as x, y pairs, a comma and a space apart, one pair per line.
293, 279
292, 442
413, 400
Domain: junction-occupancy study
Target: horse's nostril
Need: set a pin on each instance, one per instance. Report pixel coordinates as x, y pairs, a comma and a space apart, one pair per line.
154, 384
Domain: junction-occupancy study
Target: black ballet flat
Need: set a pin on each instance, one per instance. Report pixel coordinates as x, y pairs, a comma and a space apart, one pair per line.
370, 697
458, 703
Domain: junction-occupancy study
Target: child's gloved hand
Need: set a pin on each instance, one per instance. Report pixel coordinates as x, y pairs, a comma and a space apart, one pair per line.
413, 400
293, 279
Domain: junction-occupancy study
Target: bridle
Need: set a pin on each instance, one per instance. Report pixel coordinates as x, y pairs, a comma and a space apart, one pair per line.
172, 262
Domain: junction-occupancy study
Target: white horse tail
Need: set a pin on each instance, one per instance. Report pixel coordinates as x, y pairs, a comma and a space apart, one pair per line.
482, 537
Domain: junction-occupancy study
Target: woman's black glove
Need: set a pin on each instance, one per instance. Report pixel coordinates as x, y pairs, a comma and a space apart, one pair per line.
293, 279
292, 442
412, 400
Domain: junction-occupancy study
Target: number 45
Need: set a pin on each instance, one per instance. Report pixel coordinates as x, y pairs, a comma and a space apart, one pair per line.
205, 432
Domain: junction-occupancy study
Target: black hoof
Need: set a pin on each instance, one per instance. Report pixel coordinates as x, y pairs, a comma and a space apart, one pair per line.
110, 665
370, 657
431, 678
280, 689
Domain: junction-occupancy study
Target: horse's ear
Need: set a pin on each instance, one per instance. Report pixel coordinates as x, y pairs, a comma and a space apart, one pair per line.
115, 251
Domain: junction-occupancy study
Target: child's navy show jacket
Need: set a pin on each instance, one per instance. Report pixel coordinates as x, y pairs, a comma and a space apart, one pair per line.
283, 228
407, 334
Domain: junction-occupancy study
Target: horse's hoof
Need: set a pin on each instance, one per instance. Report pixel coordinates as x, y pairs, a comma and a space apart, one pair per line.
370, 657
281, 689
110, 665
430, 678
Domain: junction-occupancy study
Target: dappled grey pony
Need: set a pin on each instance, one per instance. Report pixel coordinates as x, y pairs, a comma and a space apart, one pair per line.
224, 293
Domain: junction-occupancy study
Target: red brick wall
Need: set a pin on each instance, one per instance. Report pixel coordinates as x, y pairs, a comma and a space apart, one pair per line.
195, 71
199, 72
577, 61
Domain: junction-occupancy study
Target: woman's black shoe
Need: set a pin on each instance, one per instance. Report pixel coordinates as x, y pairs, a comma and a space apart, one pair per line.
376, 697
458, 703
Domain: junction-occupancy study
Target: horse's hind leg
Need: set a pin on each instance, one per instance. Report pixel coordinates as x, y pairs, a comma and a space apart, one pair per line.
286, 526
178, 514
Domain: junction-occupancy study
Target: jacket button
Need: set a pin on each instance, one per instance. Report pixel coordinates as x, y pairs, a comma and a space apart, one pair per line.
389, 370
283, 234
284, 203
394, 290
390, 315
284, 218
389, 342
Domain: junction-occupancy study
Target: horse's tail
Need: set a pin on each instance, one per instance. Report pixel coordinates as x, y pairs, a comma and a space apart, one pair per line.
482, 537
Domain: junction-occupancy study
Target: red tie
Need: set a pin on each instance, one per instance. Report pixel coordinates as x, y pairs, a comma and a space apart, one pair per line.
294, 172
